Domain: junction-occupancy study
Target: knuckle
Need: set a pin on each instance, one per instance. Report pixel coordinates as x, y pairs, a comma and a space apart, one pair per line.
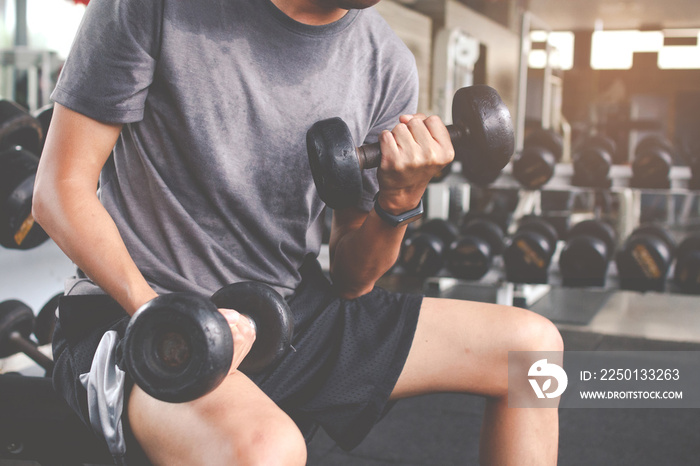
433, 120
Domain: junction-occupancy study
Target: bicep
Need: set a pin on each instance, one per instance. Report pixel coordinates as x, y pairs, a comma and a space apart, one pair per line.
76, 149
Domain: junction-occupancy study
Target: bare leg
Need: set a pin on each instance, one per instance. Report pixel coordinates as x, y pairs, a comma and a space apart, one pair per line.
462, 346
236, 424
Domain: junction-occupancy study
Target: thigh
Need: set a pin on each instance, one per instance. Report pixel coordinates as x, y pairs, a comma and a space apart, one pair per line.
462, 346
234, 424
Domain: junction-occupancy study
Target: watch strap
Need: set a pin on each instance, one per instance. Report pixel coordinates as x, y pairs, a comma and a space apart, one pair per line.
400, 219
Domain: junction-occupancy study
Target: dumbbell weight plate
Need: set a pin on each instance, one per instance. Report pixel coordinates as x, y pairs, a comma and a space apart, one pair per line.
527, 258
653, 159
443, 229
592, 168
15, 316
603, 142
541, 227
584, 259
597, 229
533, 167
18, 230
272, 318
548, 139
645, 258
334, 164
487, 230
480, 109
658, 232
422, 254
652, 164
653, 142
469, 258
19, 128
178, 347
687, 270
529, 254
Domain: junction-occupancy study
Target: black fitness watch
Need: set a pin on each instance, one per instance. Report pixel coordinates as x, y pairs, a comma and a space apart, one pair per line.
403, 218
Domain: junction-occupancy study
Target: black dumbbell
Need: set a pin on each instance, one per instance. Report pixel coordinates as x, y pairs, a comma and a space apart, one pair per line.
471, 256
46, 320
686, 274
18, 230
592, 162
644, 260
19, 128
423, 252
16, 325
529, 252
482, 136
534, 166
585, 257
653, 159
179, 347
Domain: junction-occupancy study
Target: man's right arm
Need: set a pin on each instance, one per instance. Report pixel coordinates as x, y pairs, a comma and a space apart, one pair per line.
65, 203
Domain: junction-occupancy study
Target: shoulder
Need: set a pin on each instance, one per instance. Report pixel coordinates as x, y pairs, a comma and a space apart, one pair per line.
391, 53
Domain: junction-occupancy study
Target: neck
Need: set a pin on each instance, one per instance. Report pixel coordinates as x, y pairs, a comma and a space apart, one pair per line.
311, 12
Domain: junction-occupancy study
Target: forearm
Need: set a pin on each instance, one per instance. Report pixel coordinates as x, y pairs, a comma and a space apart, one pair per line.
361, 256
83, 229
65, 203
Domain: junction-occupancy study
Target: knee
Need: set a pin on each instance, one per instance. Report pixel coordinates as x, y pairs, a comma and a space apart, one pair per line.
279, 442
536, 333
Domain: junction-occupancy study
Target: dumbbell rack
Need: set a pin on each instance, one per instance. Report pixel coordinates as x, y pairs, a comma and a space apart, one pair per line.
680, 212
630, 199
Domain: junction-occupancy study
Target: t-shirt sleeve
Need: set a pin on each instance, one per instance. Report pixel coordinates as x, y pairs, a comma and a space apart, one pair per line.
112, 60
401, 99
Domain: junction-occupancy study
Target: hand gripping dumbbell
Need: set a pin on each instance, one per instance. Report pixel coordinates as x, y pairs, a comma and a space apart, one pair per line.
16, 325
19, 128
587, 253
423, 252
179, 347
482, 136
529, 253
644, 260
471, 256
653, 159
686, 274
534, 166
18, 230
592, 162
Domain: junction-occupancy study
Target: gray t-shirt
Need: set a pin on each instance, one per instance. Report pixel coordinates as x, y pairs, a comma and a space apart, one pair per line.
210, 182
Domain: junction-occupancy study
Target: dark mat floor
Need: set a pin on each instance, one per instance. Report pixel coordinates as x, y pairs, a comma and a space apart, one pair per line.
444, 429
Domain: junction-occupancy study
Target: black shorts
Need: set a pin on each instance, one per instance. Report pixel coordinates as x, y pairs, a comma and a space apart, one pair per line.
347, 357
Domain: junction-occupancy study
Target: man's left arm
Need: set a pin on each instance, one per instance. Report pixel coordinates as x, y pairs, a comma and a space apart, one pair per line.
363, 246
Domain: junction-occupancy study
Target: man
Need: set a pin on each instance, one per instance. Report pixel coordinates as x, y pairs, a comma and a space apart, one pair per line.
208, 103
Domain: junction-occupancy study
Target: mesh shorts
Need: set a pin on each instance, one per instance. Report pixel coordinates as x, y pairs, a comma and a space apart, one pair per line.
347, 357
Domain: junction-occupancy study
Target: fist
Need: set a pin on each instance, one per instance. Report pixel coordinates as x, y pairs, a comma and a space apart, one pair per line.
416, 150
243, 332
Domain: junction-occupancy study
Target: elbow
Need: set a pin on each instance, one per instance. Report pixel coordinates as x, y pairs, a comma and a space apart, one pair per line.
40, 203
349, 289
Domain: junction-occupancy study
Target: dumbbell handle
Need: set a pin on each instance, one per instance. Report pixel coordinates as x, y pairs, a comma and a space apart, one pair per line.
370, 155
26, 347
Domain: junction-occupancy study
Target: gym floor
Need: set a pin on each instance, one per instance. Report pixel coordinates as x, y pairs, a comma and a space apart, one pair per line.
443, 429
